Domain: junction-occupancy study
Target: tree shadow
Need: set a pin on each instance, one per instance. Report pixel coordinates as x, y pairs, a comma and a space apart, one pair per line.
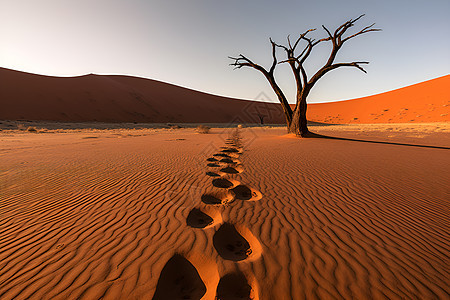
316, 135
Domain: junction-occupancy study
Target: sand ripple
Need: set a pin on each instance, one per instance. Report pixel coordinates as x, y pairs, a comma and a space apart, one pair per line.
107, 218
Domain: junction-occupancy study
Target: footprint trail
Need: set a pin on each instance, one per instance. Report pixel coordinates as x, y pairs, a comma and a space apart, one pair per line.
179, 279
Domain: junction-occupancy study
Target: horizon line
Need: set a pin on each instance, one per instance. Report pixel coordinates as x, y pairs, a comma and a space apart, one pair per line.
210, 93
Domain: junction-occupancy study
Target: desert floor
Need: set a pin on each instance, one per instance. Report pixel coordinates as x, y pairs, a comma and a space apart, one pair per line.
141, 213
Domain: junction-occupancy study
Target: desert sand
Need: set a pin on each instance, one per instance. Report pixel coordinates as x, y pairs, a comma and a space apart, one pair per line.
254, 213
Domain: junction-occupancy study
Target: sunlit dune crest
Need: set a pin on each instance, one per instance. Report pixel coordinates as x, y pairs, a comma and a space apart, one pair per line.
428, 101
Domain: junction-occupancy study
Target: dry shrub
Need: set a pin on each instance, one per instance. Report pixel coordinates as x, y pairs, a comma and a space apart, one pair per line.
173, 126
32, 129
203, 129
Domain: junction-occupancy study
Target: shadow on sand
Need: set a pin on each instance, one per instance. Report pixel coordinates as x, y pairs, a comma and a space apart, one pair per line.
315, 135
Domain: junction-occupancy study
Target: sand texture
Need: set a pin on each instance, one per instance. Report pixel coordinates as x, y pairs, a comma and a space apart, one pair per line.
172, 214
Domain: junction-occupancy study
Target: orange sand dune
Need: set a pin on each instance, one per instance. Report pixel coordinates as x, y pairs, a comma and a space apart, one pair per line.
428, 101
171, 214
114, 98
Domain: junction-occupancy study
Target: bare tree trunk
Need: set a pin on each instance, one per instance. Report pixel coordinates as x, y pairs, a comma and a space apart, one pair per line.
299, 124
261, 119
282, 98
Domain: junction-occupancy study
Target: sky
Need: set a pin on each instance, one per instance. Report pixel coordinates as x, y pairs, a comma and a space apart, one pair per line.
187, 43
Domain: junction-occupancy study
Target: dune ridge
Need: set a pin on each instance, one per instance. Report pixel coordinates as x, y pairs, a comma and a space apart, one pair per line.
428, 101
118, 98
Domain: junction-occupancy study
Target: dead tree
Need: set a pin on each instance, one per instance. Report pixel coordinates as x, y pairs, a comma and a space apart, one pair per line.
296, 117
261, 118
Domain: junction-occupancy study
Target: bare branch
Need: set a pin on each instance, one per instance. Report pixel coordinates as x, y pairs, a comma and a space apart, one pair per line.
328, 32
338, 39
281, 46
364, 30
341, 30
274, 56
327, 69
302, 36
344, 27
304, 75
242, 61
355, 64
307, 47
321, 40
296, 42
307, 51
287, 60
296, 62
355, 20
238, 61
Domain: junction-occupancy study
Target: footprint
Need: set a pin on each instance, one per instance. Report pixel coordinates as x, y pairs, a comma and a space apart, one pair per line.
234, 286
179, 279
229, 150
228, 161
222, 155
224, 183
243, 192
232, 170
233, 143
230, 244
213, 165
198, 219
218, 198
212, 174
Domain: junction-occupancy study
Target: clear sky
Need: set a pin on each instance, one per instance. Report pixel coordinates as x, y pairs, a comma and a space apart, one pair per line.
187, 42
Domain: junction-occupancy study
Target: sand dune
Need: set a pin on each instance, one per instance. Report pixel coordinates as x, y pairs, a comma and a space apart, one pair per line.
114, 98
138, 215
428, 101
